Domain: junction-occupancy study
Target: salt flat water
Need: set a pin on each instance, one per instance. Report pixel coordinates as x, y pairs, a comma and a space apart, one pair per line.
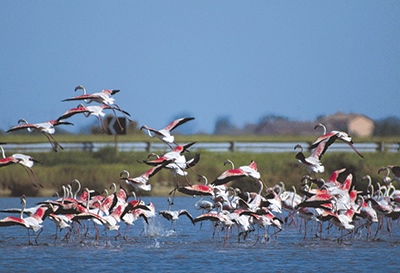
189, 248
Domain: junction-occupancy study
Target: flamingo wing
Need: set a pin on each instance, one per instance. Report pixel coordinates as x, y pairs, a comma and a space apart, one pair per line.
23, 126
110, 91
201, 190
207, 216
153, 171
83, 97
185, 212
7, 161
12, 221
192, 162
74, 111
320, 150
229, 175
176, 123
159, 161
323, 138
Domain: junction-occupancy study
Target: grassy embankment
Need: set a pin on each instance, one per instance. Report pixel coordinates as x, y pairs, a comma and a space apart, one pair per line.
98, 170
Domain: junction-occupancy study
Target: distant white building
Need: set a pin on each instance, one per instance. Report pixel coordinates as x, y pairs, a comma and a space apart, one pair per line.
353, 124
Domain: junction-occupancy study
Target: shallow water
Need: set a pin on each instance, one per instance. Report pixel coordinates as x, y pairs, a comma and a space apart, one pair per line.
157, 246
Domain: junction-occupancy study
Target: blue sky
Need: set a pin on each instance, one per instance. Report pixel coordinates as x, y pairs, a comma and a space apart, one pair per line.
207, 59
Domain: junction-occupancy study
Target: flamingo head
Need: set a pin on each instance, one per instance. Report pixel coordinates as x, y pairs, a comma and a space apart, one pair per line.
79, 87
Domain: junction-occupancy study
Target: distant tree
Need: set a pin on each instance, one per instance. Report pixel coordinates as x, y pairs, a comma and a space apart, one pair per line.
272, 125
223, 126
389, 126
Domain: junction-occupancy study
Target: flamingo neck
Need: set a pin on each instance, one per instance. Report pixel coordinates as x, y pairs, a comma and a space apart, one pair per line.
2, 152
23, 207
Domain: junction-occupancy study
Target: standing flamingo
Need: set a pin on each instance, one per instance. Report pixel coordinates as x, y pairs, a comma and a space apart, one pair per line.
165, 133
25, 161
32, 222
396, 173
46, 128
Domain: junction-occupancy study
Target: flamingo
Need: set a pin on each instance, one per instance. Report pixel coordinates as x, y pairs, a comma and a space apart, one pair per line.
30, 223
130, 216
262, 217
25, 161
96, 111
178, 166
103, 97
220, 216
396, 173
174, 215
312, 163
165, 133
46, 128
202, 190
331, 137
140, 183
243, 171
169, 157
203, 205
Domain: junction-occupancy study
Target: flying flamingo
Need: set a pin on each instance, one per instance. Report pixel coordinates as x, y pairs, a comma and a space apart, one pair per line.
243, 171
202, 190
312, 163
169, 157
96, 111
25, 161
46, 128
103, 97
178, 166
165, 134
331, 137
174, 215
140, 183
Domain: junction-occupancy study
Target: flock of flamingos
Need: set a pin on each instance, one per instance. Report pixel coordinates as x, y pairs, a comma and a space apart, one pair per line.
330, 203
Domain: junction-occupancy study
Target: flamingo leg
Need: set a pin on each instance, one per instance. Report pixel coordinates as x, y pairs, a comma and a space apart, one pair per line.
119, 108
118, 233
30, 178
29, 237
38, 235
265, 237
116, 117
56, 143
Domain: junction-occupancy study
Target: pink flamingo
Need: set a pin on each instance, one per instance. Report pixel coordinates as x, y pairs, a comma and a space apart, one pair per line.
25, 161
103, 97
30, 223
46, 128
165, 133
96, 111
312, 163
243, 171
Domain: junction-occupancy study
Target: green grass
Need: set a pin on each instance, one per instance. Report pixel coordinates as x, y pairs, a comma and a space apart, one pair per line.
98, 170
140, 136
